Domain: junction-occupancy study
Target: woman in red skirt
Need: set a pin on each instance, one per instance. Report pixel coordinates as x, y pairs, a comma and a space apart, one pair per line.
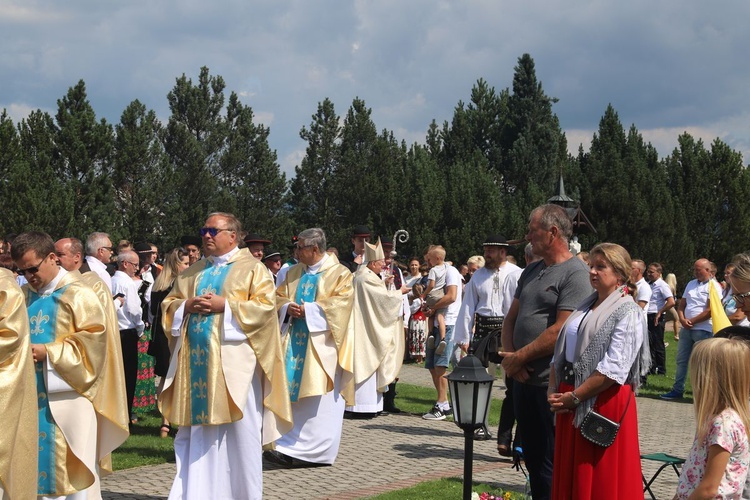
599, 358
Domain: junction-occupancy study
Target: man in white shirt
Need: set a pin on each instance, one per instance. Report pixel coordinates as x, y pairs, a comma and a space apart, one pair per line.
643, 294
99, 252
480, 318
129, 318
661, 301
438, 363
225, 387
695, 317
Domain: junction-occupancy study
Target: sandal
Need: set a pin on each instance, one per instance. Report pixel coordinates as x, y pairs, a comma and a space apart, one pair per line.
165, 430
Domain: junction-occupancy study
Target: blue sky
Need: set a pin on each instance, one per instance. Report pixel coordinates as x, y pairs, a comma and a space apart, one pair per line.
667, 66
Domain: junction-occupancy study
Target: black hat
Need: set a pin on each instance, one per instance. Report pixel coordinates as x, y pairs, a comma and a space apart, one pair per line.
495, 240
293, 244
191, 240
733, 331
255, 238
360, 231
272, 253
142, 247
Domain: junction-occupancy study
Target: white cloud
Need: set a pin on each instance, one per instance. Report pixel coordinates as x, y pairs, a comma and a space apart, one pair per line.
666, 66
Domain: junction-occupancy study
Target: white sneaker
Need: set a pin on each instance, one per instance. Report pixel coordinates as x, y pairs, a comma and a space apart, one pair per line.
431, 342
440, 349
434, 414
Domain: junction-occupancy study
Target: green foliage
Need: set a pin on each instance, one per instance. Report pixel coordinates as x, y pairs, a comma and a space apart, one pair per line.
482, 171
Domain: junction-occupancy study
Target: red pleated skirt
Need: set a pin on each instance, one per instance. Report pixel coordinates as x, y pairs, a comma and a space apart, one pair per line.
583, 470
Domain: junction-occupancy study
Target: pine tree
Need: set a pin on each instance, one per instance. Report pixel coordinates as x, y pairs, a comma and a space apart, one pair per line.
139, 181
83, 161
313, 192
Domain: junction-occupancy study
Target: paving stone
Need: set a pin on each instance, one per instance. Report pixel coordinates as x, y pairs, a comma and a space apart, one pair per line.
398, 451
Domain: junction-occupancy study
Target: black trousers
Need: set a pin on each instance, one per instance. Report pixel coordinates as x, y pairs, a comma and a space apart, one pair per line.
507, 417
129, 343
656, 344
537, 429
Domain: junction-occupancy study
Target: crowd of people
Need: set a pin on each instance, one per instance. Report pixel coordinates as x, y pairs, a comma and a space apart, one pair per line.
255, 359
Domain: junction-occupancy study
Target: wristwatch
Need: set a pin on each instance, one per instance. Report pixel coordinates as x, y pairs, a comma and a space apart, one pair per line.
576, 401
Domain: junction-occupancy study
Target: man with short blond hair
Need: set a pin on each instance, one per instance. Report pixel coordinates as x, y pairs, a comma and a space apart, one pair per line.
225, 388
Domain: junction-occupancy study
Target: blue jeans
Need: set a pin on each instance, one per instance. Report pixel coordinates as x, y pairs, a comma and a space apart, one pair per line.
688, 339
536, 426
433, 360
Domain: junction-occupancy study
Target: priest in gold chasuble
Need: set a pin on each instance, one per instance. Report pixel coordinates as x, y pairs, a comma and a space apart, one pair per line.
377, 329
226, 387
19, 439
69, 344
314, 303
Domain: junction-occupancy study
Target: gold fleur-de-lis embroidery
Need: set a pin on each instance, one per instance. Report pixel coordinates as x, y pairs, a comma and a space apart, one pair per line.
42, 475
208, 289
293, 387
202, 418
202, 388
296, 361
215, 271
300, 340
306, 288
199, 353
38, 320
198, 322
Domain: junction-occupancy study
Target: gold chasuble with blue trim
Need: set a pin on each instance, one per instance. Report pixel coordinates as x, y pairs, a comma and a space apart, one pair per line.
20, 434
334, 294
70, 322
208, 378
296, 350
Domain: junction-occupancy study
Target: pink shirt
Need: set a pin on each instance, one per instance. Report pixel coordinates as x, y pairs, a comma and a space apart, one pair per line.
728, 432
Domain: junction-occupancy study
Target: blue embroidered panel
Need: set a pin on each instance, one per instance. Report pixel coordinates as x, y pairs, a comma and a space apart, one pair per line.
199, 338
42, 321
299, 336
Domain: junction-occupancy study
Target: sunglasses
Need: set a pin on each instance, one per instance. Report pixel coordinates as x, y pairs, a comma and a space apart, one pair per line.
739, 298
111, 249
213, 231
31, 270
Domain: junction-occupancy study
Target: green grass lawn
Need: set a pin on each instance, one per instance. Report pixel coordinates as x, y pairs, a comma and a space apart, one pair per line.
660, 384
144, 446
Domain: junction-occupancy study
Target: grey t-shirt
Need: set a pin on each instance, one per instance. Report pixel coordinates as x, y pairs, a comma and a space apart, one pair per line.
542, 291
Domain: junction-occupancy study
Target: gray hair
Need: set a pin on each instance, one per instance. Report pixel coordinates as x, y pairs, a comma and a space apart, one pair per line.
126, 255
554, 215
95, 241
528, 253
315, 237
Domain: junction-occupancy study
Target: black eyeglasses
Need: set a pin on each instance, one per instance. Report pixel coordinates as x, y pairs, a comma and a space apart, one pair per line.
213, 231
111, 249
31, 270
739, 298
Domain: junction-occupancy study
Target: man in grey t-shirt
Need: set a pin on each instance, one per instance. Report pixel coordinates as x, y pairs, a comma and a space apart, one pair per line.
548, 291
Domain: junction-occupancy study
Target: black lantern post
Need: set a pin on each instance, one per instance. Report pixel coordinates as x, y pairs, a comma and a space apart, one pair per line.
471, 390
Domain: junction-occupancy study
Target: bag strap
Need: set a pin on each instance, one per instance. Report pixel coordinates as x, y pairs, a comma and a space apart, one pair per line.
626, 408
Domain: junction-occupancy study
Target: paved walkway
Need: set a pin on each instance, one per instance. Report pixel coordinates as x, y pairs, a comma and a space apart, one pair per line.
397, 451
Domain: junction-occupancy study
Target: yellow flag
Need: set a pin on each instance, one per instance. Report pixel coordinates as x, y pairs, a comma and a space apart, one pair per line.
719, 318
